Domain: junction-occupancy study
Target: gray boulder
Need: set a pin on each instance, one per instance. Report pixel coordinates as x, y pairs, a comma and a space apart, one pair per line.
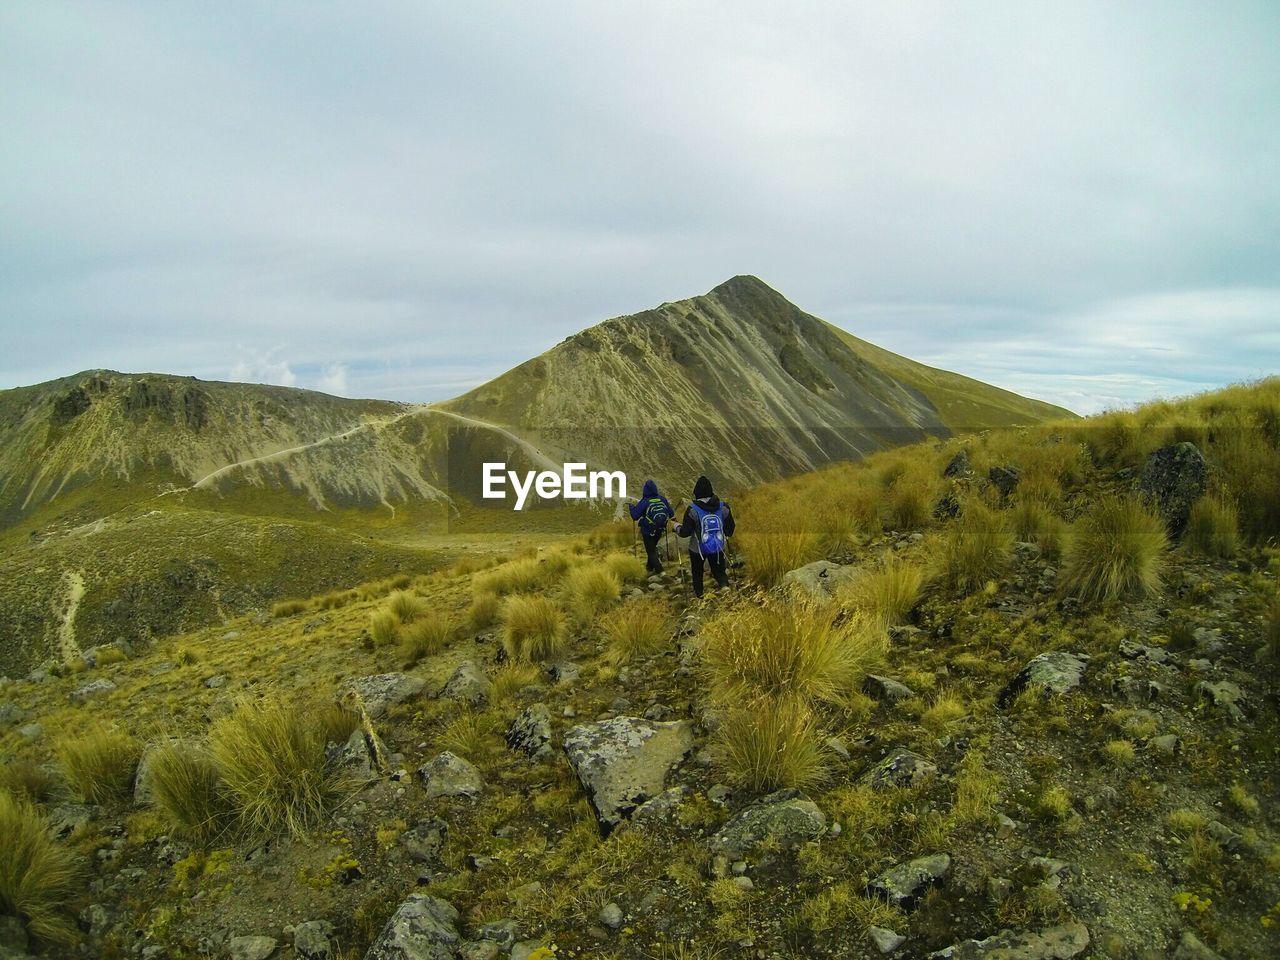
1004, 479
1172, 480
13, 936
469, 684
311, 940
384, 690
1054, 943
1190, 947
91, 690
422, 928
959, 466
661, 809
787, 817
883, 688
530, 732
10, 713
250, 948
886, 940
1224, 696
819, 579
902, 885
901, 769
450, 776
1056, 671
425, 839
354, 759
624, 761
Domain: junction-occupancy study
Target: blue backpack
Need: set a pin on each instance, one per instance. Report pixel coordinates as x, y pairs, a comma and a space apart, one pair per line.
710, 529
657, 514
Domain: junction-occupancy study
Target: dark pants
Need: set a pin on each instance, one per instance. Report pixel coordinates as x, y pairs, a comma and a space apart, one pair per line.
715, 561
651, 541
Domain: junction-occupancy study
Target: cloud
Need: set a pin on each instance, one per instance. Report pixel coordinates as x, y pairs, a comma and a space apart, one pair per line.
333, 379
258, 367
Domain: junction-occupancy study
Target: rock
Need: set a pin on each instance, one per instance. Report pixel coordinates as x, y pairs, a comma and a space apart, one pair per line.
1224, 696
1056, 671
31, 732
886, 941
504, 933
902, 885
384, 690
450, 776
947, 507
998, 889
216, 681
959, 466
623, 762
526, 949
660, 809
837, 747
91, 690
311, 940
819, 579
610, 916
1054, 943
353, 759
1208, 641
901, 769
66, 817
95, 920
422, 928
563, 672
1169, 744
13, 935
1191, 948
469, 684
250, 948
883, 688
142, 792
10, 713
1004, 479
425, 839
480, 950
530, 732
1172, 480
787, 817
1139, 651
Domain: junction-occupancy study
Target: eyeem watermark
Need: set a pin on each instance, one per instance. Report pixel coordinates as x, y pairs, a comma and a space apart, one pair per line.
573, 482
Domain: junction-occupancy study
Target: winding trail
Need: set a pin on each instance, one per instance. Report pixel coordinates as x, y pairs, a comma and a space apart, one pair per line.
68, 649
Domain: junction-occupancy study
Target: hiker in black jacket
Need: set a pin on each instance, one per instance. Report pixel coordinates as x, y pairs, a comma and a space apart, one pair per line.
652, 511
708, 524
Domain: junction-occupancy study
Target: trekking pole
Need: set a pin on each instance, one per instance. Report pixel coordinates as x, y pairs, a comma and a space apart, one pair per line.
635, 527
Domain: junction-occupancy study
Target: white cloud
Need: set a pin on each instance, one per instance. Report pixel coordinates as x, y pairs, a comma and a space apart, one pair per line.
255, 366
333, 379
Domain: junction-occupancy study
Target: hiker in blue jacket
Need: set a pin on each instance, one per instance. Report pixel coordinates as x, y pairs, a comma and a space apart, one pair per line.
708, 524
652, 511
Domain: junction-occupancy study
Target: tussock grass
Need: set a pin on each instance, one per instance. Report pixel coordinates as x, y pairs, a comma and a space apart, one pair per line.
910, 499
38, 875
270, 759
1054, 803
1115, 550
100, 764
797, 648
533, 628
843, 906
889, 591
335, 722
288, 608
384, 627
946, 710
518, 576
1271, 632
771, 742
509, 679
483, 611
770, 554
976, 548
23, 778
469, 735
337, 598
1118, 753
977, 790
1213, 528
427, 635
1034, 521
188, 793
625, 567
637, 629
405, 606
590, 590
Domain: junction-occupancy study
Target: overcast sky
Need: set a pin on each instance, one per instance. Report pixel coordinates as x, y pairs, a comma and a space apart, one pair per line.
1077, 201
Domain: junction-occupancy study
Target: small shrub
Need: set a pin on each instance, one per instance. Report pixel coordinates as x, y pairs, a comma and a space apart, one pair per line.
533, 628
188, 657
772, 742
635, 630
625, 567
1244, 803
270, 759
590, 590
1182, 636
977, 548
1054, 803
1184, 822
801, 648
1213, 528
405, 606
889, 591
427, 635
1118, 753
38, 875
1115, 550
946, 710
288, 608
483, 610
188, 794
101, 764
384, 627
509, 679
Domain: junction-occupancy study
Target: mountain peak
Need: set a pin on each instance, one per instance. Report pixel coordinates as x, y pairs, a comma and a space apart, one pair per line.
745, 285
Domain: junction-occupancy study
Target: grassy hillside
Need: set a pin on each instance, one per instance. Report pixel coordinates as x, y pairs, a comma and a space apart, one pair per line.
1117, 800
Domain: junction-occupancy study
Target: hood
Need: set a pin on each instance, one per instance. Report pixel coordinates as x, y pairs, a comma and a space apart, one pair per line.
650, 489
702, 489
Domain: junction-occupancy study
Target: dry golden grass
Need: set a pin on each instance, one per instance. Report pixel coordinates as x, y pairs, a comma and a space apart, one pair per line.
288, 608
1036, 522
427, 635
911, 497
405, 606
100, 764
772, 742
1213, 528
533, 628
636, 629
625, 567
977, 790
24, 778
188, 794
590, 590
384, 627
518, 576
887, 591
483, 611
796, 648
509, 679
335, 722
943, 714
270, 760
771, 554
1115, 550
976, 548
39, 876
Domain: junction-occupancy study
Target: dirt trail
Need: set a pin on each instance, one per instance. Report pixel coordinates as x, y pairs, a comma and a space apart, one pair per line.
68, 649
537, 455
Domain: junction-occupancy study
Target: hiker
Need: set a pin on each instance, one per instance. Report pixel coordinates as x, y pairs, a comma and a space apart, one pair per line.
653, 510
708, 524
